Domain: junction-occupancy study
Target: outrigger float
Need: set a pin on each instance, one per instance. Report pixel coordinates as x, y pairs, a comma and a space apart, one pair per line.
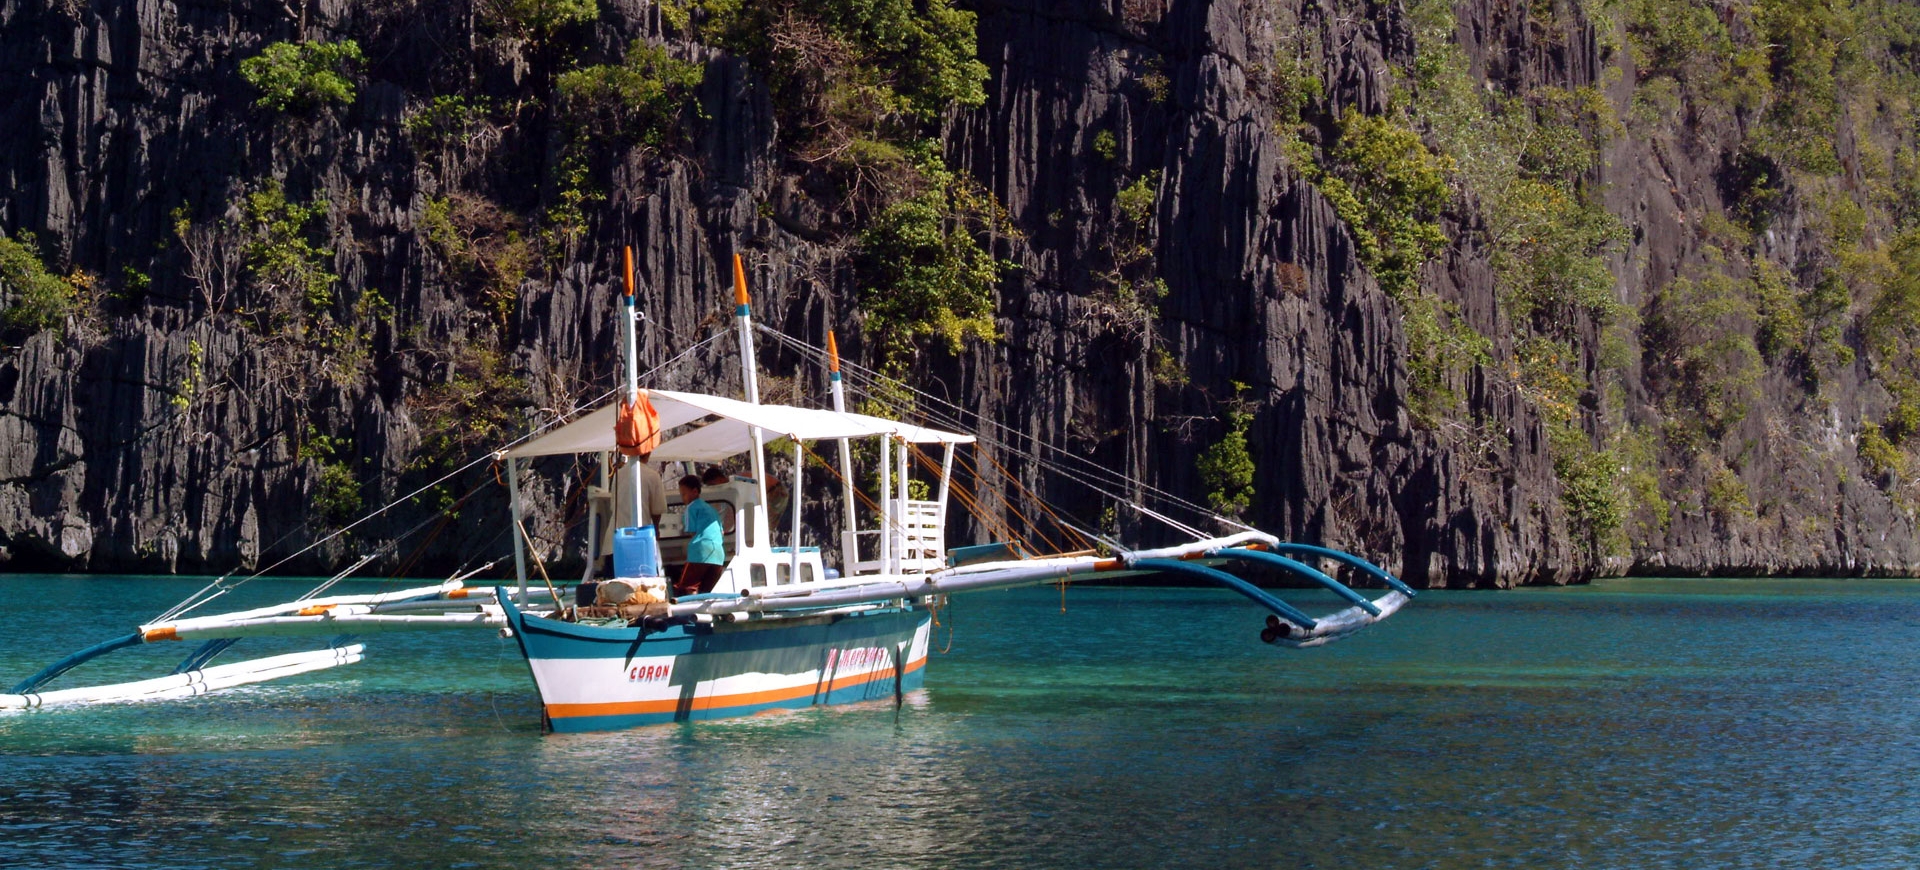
780, 628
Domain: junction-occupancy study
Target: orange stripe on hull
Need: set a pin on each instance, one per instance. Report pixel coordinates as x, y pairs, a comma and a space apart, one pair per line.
743, 699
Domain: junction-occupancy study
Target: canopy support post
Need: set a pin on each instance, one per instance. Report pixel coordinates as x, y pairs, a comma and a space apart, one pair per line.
886, 505
519, 545
946, 481
850, 538
630, 348
900, 507
793, 497
749, 372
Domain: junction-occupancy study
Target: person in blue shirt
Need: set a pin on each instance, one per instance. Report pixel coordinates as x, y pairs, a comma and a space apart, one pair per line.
706, 554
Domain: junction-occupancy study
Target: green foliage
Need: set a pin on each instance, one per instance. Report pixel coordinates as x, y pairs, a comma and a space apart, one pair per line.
470, 406
1639, 455
1804, 42
1879, 456
641, 99
483, 251
1754, 186
1783, 320
1903, 420
1700, 336
923, 269
534, 21
1105, 145
36, 299
445, 121
1524, 159
1673, 39
134, 282
1892, 322
1167, 371
346, 348
1439, 342
191, 382
574, 193
1550, 255
303, 76
1295, 83
1135, 201
1226, 467
1591, 486
281, 257
1546, 377
858, 84
1126, 293
1706, 50
859, 60
1590, 490
336, 492
1389, 188
1155, 82
1727, 499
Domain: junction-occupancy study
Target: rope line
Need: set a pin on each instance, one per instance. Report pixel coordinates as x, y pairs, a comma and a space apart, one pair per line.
221, 587
1081, 471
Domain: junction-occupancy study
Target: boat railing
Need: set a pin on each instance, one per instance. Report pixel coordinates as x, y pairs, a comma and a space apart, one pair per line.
919, 543
925, 538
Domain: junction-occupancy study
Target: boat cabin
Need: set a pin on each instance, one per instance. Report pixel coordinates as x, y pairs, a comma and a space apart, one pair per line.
897, 534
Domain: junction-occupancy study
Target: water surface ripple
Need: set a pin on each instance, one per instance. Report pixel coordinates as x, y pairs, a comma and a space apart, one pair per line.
1631, 724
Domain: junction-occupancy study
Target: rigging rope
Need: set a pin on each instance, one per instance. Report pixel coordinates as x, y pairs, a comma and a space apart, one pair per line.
221, 587
1034, 496
1084, 474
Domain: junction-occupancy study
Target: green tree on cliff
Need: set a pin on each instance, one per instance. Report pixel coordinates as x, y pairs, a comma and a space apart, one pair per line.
35, 298
303, 76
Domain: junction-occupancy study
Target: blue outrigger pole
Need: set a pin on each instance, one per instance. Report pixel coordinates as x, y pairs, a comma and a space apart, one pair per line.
1290, 625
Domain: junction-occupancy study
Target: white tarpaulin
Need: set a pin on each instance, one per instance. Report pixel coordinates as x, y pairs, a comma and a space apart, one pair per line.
730, 435
915, 434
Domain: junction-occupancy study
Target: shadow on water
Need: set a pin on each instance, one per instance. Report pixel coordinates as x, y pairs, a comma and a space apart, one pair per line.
1631, 724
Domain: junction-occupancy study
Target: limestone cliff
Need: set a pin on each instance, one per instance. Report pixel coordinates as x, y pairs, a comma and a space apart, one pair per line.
288, 315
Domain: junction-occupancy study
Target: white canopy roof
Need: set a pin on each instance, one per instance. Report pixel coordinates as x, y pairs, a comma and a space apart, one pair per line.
730, 435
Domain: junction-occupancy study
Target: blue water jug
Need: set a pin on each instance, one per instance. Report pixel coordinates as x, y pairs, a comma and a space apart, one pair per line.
636, 552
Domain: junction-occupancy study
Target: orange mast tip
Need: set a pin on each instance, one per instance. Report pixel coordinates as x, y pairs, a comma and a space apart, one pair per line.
833, 353
628, 257
739, 282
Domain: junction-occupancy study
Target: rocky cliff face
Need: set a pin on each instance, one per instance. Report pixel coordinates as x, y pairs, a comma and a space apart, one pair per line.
204, 410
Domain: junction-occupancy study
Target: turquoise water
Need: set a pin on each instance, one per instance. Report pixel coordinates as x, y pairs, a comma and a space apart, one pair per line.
1631, 724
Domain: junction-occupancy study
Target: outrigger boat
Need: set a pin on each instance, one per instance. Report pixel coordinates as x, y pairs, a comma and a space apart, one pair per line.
780, 629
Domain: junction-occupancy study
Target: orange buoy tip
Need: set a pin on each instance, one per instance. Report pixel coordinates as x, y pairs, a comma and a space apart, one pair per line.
739, 281
627, 257
165, 632
833, 353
